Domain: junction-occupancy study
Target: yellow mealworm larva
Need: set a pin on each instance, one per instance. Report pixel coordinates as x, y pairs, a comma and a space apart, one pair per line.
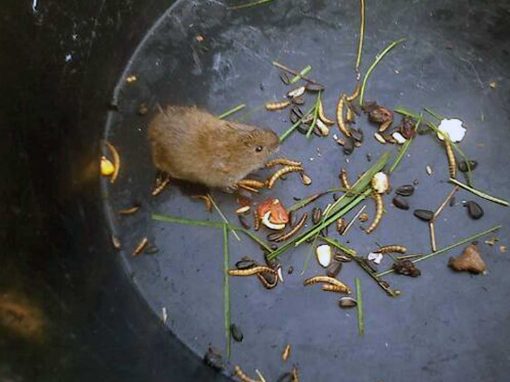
294, 375
266, 283
250, 271
294, 229
278, 105
247, 188
141, 245
242, 376
355, 93
350, 115
116, 242
452, 164
334, 288
281, 172
322, 116
206, 199
344, 180
116, 160
340, 116
392, 249
327, 280
283, 162
253, 183
379, 208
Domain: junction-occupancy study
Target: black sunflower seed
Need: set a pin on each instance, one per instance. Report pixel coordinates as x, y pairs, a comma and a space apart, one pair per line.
425, 215
463, 165
237, 334
474, 210
405, 190
400, 202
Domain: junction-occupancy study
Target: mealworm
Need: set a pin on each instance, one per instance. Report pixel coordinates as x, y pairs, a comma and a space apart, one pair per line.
340, 116
116, 160
283, 162
242, 376
392, 249
344, 180
333, 288
452, 164
294, 229
286, 352
327, 280
278, 105
355, 93
250, 271
350, 115
129, 211
266, 283
257, 184
206, 199
161, 186
278, 174
323, 116
141, 245
379, 208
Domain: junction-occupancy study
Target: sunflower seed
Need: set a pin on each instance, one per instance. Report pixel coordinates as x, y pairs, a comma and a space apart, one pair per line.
347, 302
463, 165
245, 263
334, 268
316, 215
237, 334
474, 210
400, 202
314, 87
405, 190
425, 215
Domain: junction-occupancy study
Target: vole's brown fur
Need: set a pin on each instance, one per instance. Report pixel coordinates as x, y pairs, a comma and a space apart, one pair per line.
193, 145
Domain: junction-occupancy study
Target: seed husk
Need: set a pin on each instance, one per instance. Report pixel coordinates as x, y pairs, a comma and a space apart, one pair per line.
310, 87
405, 190
245, 263
407, 128
285, 377
298, 92
341, 224
463, 167
474, 210
305, 179
357, 135
213, 359
298, 100
425, 215
334, 268
348, 146
469, 261
244, 221
342, 257
347, 302
286, 352
237, 334
406, 267
316, 215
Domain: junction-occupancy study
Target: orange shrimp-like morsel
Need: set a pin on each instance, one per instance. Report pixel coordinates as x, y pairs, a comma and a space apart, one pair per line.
379, 208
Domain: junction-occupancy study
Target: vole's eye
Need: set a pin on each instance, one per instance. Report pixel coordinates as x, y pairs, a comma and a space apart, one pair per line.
258, 149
